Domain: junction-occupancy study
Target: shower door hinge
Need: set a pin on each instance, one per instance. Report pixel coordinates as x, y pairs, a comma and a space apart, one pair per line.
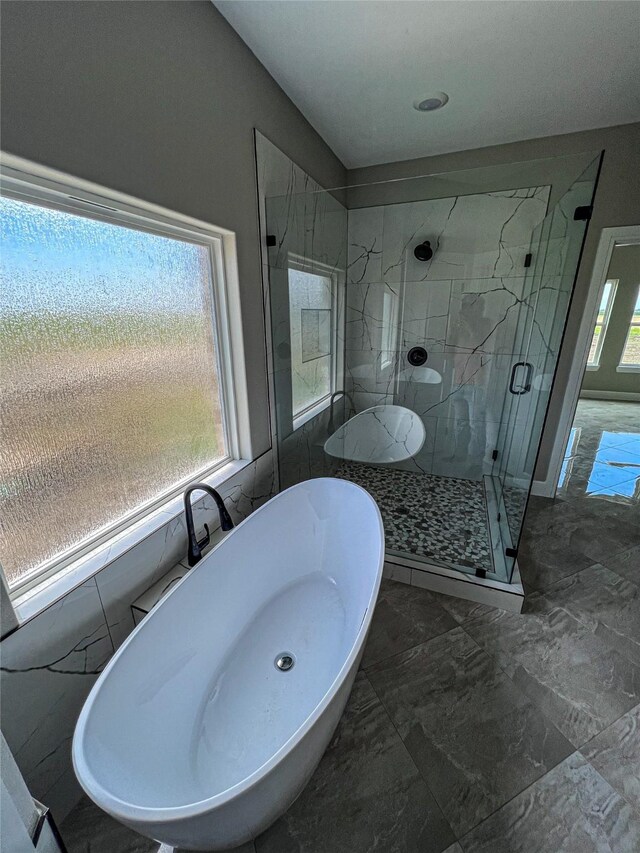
494, 455
271, 240
583, 214
511, 552
527, 259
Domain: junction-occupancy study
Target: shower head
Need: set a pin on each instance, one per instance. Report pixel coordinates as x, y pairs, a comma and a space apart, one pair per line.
423, 251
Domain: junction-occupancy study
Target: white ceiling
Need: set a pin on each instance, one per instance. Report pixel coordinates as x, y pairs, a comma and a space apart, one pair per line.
513, 70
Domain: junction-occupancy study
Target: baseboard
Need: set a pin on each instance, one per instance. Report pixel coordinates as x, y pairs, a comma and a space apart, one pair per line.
622, 396
506, 596
543, 488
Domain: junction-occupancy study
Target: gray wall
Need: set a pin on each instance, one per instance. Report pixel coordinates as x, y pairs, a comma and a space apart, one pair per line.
625, 267
617, 203
157, 100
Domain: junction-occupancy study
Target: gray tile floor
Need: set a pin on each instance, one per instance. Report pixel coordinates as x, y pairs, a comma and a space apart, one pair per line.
471, 730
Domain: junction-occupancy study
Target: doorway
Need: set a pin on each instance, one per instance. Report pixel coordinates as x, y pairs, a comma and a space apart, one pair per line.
602, 453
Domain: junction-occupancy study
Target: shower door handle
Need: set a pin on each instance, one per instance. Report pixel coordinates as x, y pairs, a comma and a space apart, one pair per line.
523, 389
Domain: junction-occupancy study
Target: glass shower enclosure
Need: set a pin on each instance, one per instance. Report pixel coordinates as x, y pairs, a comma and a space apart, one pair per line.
415, 330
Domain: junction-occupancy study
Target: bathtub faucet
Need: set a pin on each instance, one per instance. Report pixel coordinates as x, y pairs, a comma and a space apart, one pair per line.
347, 396
194, 554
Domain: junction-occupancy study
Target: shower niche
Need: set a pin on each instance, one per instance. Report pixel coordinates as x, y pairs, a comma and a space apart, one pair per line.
427, 378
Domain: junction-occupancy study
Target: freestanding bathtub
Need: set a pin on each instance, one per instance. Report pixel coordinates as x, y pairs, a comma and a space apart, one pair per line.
193, 735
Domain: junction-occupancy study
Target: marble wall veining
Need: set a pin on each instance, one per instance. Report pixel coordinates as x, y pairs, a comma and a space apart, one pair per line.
48, 667
462, 306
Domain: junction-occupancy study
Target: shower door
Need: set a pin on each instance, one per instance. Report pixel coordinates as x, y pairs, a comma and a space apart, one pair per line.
555, 253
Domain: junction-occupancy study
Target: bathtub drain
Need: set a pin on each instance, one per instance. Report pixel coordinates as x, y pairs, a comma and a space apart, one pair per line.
284, 661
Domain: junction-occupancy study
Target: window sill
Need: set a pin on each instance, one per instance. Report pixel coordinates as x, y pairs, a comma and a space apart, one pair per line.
628, 368
593, 367
53, 588
310, 414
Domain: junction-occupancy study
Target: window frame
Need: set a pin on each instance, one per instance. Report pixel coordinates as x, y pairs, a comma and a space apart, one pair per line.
595, 364
390, 331
25, 181
302, 264
631, 367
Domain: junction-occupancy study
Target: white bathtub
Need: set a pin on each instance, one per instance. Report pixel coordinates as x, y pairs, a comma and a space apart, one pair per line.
192, 736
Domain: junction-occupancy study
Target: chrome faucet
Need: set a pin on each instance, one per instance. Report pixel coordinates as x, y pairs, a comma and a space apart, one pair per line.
346, 395
194, 554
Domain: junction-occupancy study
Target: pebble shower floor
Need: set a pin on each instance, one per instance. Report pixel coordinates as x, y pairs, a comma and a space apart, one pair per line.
437, 518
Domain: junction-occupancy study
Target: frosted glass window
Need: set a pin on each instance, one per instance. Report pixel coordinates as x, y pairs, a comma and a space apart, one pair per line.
109, 377
389, 328
631, 352
311, 330
316, 333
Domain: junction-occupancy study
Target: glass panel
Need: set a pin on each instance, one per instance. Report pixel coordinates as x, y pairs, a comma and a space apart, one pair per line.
602, 321
306, 295
429, 344
108, 377
556, 251
512, 487
458, 318
631, 353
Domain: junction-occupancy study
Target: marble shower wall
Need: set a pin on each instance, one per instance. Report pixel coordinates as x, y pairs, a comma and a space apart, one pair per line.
462, 307
310, 228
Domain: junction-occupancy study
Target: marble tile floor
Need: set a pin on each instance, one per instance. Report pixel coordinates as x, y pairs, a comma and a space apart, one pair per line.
473, 730
603, 455
442, 519
595, 517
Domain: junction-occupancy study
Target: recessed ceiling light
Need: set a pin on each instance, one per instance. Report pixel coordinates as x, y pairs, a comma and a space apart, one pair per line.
431, 103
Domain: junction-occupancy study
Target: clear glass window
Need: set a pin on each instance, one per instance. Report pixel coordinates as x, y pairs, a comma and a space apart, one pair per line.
602, 321
109, 382
631, 353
